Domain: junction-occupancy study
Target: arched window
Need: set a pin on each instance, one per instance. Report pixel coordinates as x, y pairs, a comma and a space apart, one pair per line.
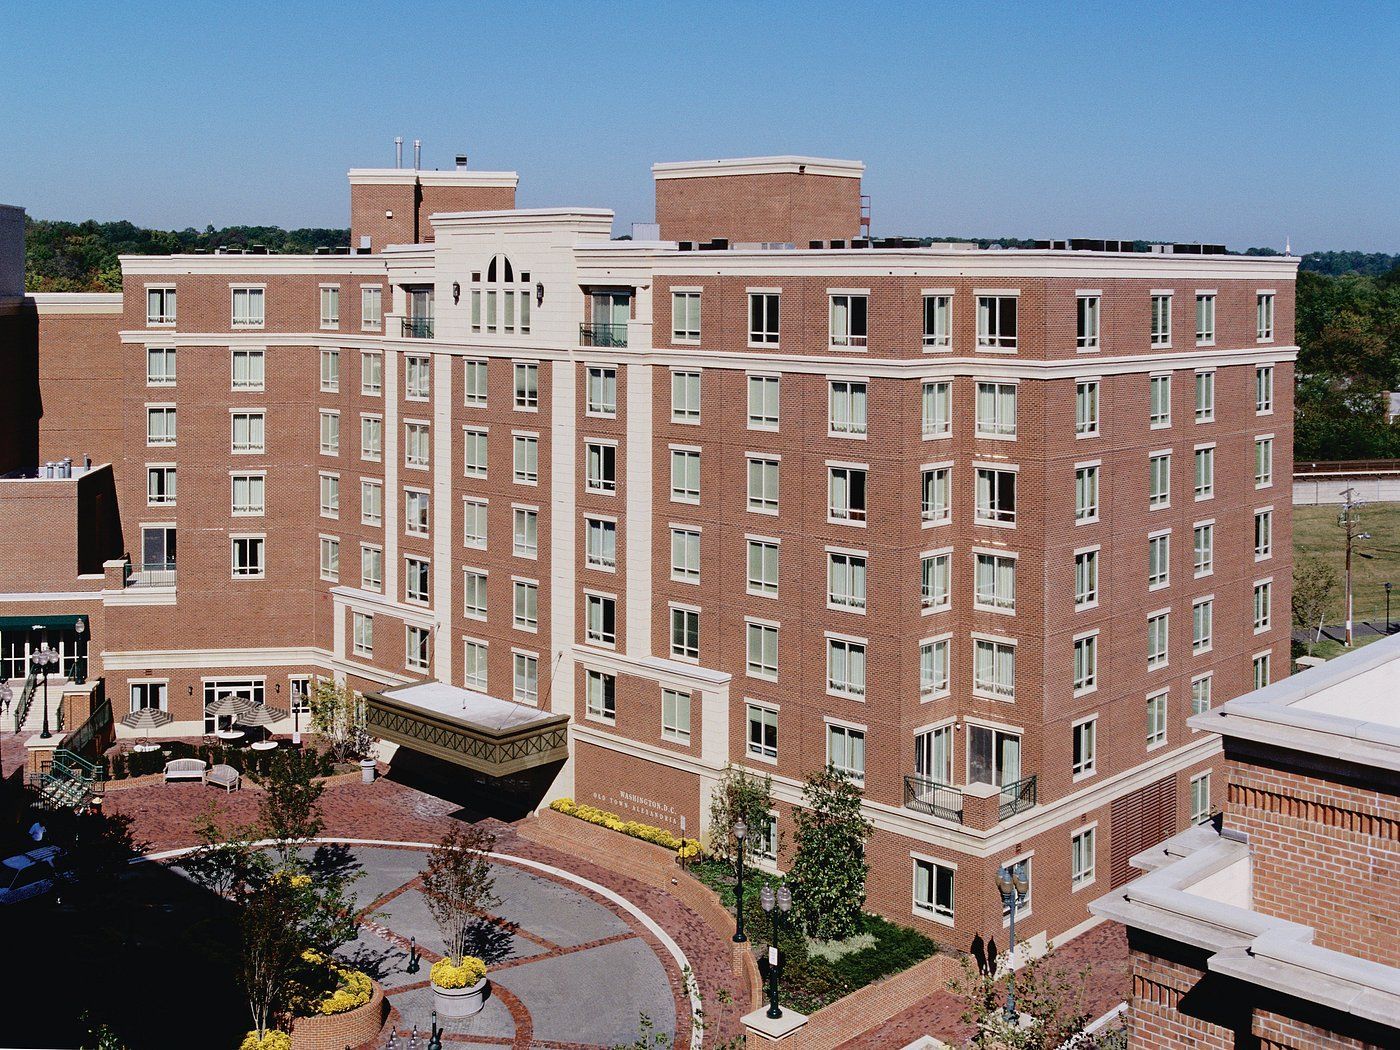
500, 303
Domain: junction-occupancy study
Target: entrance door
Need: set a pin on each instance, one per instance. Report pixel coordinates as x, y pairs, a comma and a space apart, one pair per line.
611, 312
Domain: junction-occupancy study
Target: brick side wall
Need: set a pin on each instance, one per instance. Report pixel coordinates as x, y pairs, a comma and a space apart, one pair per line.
777, 208
81, 378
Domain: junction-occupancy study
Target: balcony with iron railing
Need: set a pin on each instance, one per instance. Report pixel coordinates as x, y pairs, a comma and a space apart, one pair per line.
150, 574
937, 800
966, 805
604, 335
1017, 797
417, 327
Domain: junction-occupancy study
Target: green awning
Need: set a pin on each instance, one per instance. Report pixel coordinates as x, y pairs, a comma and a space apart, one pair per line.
52, 623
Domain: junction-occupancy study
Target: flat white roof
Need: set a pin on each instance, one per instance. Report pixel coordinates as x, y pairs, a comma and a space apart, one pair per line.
467, 705
782, 165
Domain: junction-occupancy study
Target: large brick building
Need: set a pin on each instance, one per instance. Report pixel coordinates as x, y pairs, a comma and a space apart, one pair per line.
1275, 928
983, 528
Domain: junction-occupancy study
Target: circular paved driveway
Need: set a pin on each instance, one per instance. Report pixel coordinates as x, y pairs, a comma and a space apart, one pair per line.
568, 966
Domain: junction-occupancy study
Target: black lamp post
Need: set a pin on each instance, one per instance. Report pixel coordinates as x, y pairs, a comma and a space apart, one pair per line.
741, 831
80, 653
782, 902
413, 963
6, 697
1013, 887
44, 658
435, 1043
1387, 607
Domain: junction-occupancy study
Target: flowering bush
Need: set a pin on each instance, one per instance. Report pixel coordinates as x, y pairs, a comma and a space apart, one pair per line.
352, 988
271, 1041
685, 848
447, 974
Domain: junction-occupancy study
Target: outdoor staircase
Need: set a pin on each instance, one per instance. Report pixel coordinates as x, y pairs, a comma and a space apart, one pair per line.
70, 782
29, 707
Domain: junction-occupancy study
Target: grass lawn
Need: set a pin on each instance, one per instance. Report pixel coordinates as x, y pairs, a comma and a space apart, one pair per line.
1315, 532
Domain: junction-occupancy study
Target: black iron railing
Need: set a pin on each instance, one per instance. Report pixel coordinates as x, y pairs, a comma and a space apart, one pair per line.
417, 327
931, 797
602, 335
1017, 796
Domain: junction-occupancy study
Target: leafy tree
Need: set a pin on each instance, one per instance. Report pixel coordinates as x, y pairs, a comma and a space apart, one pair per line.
290, 808
224, 861
338, 713
739, 795
1314, 581
457, 885
96, 851
829, 869
1049, 999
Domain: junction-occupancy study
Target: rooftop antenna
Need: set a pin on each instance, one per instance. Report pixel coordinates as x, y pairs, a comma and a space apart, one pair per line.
398, 151
417, 154
1287, 246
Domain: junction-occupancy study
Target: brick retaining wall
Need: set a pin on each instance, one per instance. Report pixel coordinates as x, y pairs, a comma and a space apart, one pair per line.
352, 1028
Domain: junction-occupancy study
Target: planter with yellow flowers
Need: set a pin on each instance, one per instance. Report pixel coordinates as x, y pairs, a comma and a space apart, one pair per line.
459, 988
458, 889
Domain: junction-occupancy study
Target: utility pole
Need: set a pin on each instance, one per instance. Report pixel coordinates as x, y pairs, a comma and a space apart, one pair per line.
1349, 520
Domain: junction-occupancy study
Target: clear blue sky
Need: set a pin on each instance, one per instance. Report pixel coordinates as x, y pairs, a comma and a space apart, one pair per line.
1237, 122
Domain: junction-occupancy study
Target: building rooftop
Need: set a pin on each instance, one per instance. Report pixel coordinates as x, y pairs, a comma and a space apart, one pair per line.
467, 705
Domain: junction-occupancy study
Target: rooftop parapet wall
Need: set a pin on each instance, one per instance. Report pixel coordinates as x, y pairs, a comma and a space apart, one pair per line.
392, 205
57, 529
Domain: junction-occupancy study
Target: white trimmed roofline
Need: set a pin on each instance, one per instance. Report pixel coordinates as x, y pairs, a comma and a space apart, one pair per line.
787, 164
435, 177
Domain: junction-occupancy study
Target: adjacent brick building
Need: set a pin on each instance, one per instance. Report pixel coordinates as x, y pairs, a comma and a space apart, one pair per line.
1275, 927
982, 528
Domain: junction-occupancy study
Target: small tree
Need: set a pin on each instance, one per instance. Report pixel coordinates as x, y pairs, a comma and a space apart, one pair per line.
829, 869
290, 808
739, 795
338, 714
224, 862
457, 885
1313, 583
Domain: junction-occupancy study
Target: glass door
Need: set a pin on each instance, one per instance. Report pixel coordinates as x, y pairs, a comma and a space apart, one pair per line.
993, 757
157, 547
933, 755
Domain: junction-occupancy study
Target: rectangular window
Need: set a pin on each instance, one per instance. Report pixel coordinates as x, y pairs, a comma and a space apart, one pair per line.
474, 594
1205, 473
330, 306
845, 751
1202, 625
371, 568
1263, 462
1263, 534
371, 438
474, 383
371, 373
996, 496
685, 397
1159, 480
1200, 798
993, 756
763, 402
761, 647
416, 445
330, 433
849, 322
600, 619
527, 386
371, 306
845, 575
1086, 493
685, 633
160, 426
248, 307
1205, 320
160, 306
330, 495
602, 392
1086, 408
1156, 719
417, 508
249, 494
1261, 670
763, 567
1205, 397
1085, 747
601, 543
474, 453
525, 605
763, 732
417, 573
249, 369
417, 378
474, 665
330, 371
474, 523
933, 888
248, 556
1161, 320
933, 678
1264, 316
1158, 630
526, 687
994, 668
525, 532
1086, 578
160, 366
1159, 399
763, 485
936, 414
1087, 322
526, 459
330, 559
1086, 664
685, 555
1200, 694
996, 582
935, 582
371, 502
685, 317
1263, 389
362, 631
996, 409
1081, 858
845, 667
938, 321
846, 494
936, 494
1203, 548
1263, 606
675, 716
160, 486
846, 412
996, 322
685, 476
763, 318
1159, 559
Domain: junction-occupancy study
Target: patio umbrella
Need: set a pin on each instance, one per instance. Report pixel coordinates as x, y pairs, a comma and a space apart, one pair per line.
230, 705
262, 715
147, 718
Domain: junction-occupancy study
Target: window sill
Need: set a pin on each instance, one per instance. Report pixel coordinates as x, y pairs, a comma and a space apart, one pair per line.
928, 698
858, 610
845, 521
1081, 885
765, 759
932, 916
1087, 774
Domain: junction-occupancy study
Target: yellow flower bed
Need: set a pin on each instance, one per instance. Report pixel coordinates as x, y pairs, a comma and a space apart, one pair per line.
446, 974
353, 988
271, 1041
685, 848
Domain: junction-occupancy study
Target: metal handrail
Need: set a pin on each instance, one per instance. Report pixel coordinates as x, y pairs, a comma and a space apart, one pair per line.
931, 797
1017, 796
26, 699
417, 327
602, 334
155, 574
77, 767
82, 737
